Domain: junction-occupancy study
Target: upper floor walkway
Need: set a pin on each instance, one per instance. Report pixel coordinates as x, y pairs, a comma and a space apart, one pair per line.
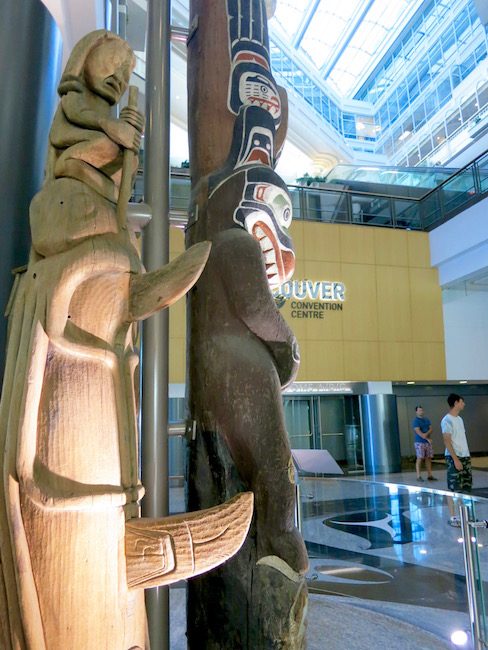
396, 197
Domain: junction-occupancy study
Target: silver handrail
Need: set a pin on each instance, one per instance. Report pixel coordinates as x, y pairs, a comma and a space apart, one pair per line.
474, 613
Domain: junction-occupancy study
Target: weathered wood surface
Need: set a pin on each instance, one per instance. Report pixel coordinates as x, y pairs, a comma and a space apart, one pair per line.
251, 602
70, 489
164, 551
241, 351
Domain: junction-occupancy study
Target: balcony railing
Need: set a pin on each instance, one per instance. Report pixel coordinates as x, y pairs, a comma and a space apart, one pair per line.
338, 204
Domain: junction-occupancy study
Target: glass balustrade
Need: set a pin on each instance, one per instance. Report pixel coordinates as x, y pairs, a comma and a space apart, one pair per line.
477, 569
390, 547
354, 197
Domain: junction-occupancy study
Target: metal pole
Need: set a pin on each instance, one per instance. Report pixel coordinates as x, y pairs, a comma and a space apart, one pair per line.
155, 331
470, 578
179, 34
393, 212
298, 505
122, 18
476, 178
350, 216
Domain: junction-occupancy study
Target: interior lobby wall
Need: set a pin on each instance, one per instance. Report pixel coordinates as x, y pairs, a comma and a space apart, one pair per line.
390, 326
466, 332
434, 400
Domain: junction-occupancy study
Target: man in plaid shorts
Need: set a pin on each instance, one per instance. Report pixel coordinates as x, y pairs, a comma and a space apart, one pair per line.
458, 461
423, 446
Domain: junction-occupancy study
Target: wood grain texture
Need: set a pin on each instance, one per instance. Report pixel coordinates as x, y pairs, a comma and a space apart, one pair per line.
241, 351
163, 551
70, 487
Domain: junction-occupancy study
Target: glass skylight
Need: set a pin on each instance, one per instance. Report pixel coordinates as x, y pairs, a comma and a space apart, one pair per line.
329, 28
289, 15
342, 39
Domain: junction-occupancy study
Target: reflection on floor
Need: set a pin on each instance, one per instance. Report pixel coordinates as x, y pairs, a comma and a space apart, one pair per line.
387, 541
384, 563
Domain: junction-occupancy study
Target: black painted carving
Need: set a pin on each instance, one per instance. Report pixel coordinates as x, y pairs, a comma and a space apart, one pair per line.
241, 351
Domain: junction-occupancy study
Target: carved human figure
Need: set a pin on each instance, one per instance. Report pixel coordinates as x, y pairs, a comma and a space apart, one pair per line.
74, 554
86, 141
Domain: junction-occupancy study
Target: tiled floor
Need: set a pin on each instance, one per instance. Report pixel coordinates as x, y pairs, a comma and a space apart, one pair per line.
384, 541
383, 559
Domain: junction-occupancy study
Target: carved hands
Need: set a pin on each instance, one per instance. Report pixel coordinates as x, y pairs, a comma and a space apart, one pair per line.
122, 131
133, 116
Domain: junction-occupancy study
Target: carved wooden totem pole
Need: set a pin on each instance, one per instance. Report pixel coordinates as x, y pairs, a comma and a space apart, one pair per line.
242, 353
74, 554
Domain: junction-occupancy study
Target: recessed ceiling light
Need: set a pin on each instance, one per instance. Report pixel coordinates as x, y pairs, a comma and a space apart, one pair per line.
409, 383
463, 381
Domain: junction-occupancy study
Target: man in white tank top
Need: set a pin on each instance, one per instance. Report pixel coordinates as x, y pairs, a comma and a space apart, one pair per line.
458, 461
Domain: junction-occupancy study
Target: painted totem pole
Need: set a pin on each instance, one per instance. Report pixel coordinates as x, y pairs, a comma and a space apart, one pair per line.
242, 353
75, 556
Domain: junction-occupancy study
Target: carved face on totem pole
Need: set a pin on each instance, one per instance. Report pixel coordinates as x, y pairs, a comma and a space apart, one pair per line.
102, 62
264, 209
258, 201
251, 82
265, 212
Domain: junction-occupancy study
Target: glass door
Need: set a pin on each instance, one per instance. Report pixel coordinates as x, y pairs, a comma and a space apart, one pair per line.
339, 430
299, 422
328, 422
331, 426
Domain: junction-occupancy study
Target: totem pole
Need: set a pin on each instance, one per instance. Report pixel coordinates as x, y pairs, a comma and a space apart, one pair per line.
241, 351
75, 556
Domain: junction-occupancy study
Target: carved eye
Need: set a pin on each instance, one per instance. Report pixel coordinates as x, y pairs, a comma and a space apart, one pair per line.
264, 89
286, 216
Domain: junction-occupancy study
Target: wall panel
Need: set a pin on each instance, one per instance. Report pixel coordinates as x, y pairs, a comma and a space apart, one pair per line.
390, 327
360, 313
393, 306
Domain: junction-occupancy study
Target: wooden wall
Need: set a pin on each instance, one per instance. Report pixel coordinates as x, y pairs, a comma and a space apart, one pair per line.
390, 327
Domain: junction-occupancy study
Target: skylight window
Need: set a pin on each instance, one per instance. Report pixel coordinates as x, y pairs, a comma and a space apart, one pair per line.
289, 15
342, 39
329, 28
371, 36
